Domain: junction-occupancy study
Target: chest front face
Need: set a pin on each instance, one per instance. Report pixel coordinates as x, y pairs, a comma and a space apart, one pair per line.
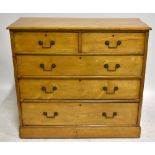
76, 79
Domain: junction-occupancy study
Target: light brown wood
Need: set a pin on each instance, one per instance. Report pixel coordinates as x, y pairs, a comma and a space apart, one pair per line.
80, 132
80, 65
79, 113
79, 89
29, 42
99, 65
16, 77
81, 101
96, 43
143, 79
79, 24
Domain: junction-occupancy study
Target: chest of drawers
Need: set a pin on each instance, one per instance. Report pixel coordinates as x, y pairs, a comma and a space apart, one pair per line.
79, 78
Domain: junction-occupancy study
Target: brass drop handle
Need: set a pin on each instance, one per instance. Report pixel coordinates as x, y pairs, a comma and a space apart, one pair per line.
52, 116
110, 91
114, 114
113, 44
42, 66
111, 68
51, 43
44, 89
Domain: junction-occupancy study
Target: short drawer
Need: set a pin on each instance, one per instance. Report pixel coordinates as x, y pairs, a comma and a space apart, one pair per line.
79, 89
79, 65
79, 113
42, 42
113, 43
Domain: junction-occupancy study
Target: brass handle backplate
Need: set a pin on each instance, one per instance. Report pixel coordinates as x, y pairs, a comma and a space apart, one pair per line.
113, 44
42, 66
44, 89
52, 116
113, 68
104, 114
110, 91
51, 43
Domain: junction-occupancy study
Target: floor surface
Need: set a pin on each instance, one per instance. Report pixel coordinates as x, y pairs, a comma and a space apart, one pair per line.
9, 121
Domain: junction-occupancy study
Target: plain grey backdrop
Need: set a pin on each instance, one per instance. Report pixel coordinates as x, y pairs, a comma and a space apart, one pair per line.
8, 108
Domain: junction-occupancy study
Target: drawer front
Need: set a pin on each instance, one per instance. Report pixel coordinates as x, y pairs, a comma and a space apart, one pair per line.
79, 89
79, 113
46, 42
113, 43
79, 65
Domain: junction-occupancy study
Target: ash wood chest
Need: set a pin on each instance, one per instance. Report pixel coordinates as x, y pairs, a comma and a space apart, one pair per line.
79, 78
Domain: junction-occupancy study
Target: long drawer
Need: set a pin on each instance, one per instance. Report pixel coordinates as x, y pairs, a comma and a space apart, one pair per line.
46, 42
79, 89
79, 65
79, 113
113, 43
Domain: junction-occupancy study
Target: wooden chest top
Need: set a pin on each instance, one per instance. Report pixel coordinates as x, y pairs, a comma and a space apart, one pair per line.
79, 24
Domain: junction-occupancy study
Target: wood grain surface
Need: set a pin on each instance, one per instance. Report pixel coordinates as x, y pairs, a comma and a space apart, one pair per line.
79, 114
29, 42
79, 65
79, 24
80, 132
129, 43
79, 89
